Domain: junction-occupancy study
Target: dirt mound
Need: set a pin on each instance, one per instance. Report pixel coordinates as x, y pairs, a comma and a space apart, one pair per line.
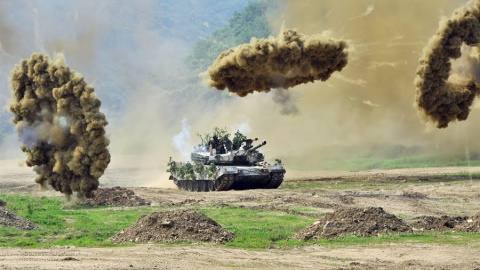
173, 226
9, 219
354, 221
470, 224
116, 196
464, 224
2, 203
429, 223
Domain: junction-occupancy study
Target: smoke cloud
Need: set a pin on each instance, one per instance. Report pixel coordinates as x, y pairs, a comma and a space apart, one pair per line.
442, 98
286, 101
182, 141
367, 107
283, 62
368, 104
57, 117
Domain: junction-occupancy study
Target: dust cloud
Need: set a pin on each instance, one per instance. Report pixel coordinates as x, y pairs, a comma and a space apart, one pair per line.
286, 100
283, 62
442, 98
57, 117
368, 103
367, 107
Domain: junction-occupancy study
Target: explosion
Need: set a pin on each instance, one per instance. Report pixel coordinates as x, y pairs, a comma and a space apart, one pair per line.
60, 126
285, 62
442, 98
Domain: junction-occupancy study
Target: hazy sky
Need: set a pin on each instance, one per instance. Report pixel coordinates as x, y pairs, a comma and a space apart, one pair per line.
124, 49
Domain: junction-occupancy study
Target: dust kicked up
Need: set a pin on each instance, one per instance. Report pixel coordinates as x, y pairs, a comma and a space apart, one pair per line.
282, 62
60, 126
440, 97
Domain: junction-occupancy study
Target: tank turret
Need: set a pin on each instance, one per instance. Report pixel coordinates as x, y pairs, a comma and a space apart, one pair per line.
221, 164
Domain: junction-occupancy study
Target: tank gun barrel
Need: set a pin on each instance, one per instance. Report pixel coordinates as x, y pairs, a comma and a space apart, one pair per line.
256, 147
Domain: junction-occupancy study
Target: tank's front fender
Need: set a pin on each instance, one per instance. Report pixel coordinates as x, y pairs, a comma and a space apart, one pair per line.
226, 170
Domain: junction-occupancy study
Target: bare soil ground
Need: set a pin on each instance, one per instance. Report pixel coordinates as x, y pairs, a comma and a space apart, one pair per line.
434, 206
115, 196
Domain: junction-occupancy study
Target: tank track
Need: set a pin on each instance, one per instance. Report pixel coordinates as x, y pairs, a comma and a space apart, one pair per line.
221, 184
225, 183
275, 181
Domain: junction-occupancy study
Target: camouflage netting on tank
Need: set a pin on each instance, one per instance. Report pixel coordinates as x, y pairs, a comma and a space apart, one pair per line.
282, 62
442, 98
59, 123
173, 226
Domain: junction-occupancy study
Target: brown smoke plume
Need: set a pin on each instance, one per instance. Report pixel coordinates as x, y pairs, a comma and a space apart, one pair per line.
287, 102
440, 98
287, 61
59, 123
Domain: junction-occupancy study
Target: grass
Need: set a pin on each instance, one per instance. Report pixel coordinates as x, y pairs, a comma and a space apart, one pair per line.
423, 161
78, 227
254, 228
258, 228
453, 238
393, 159
375, 183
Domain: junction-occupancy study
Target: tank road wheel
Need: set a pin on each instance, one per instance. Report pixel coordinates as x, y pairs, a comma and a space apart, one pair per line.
194, 185
218, 183
185, 185
180, 185
275, 181
211, 185
231, 180
202, 186
189, 185
224, 183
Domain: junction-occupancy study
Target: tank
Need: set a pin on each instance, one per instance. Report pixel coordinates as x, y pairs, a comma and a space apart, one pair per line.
219, 164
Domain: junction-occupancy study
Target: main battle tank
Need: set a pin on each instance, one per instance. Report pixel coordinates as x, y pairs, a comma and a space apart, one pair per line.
220, 164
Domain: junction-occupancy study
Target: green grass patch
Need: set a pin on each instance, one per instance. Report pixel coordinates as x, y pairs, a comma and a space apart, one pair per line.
255, 229
422, 161
78, 227
390, 157
258, 228
453, 238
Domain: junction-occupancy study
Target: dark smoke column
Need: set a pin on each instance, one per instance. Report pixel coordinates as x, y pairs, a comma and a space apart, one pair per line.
282, 62
58, 120
439, 98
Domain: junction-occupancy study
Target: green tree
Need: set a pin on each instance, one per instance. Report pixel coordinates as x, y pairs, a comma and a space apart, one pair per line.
243, 25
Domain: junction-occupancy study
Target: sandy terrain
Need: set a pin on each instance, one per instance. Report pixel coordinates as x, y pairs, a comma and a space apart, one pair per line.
392, 191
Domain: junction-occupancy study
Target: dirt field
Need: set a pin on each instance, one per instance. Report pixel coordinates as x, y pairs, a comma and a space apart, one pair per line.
397, 192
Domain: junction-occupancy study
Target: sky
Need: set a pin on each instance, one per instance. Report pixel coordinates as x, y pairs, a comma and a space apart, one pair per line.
124, 49
127, 49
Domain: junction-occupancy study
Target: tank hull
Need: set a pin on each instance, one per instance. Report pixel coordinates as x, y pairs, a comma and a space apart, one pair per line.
222, 178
